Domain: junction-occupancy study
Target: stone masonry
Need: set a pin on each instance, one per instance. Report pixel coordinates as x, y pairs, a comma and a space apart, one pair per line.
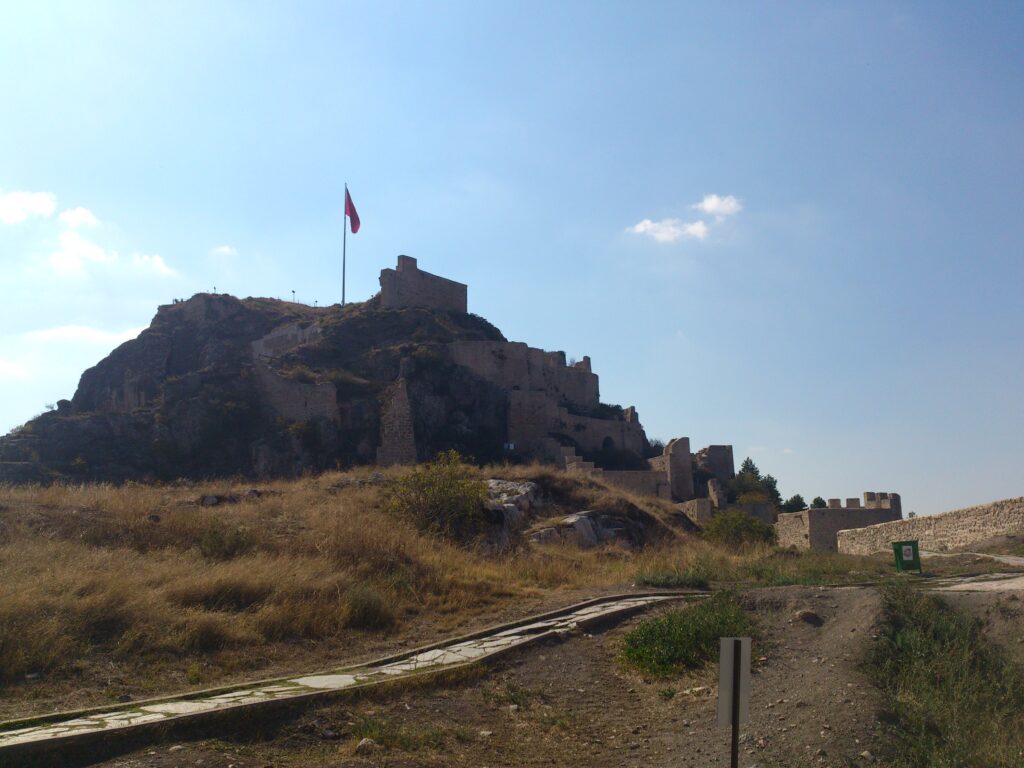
398, 443
819, 528
408, 286
957, 529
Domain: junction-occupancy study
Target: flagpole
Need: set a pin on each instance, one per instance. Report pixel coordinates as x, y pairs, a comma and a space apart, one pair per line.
344, 232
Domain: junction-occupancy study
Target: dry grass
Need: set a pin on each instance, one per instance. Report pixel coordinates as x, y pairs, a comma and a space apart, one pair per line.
146, 580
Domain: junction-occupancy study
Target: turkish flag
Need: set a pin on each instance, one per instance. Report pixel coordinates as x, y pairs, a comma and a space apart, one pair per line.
350, 211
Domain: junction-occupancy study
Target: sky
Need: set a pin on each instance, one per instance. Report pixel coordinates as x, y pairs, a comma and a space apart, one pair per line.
791, 227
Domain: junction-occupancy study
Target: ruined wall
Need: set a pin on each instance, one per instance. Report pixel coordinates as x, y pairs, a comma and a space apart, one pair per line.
283, 339
639, 482
957, 529
679, 466
408, 286
397, 439
699, 511
515, 366
297, 400
533, 417
818, 528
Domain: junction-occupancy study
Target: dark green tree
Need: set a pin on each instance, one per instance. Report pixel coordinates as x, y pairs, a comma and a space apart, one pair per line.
794, 503
818, 503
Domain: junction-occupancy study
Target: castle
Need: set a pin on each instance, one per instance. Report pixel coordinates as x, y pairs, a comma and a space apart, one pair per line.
554, 412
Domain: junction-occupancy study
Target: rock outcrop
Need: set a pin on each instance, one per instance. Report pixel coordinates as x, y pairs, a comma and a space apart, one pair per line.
258, 387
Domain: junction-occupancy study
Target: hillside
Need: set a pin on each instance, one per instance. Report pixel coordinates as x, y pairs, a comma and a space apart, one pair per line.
221, 386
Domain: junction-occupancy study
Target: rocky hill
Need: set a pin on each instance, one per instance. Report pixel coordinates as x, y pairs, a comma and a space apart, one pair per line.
224, 386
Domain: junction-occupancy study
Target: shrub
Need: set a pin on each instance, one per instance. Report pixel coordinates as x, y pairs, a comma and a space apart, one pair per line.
441, 497
367, 609
734, 528
221, 543
687, 638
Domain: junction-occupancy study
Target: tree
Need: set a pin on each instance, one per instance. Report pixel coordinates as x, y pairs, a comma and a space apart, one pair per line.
751, 487
794, 503
818, 503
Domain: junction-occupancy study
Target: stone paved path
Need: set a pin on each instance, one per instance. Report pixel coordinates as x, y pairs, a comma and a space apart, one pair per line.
17, 738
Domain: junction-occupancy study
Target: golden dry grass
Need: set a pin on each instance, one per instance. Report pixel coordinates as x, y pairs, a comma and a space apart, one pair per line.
145, 579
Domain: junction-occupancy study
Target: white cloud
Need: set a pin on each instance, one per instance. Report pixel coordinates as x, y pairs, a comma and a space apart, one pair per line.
670, 230
223, 250
719, 207
15, 207
82, 334
152, 263
77, 217
787, 450
75, 251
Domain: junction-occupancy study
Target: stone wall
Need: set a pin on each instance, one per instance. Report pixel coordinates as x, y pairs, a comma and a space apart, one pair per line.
297, 400
283, 339
533, 417
818, 528
699, 511
408, 286
397, 439
679, 466
958, 529
515, 366
639, 482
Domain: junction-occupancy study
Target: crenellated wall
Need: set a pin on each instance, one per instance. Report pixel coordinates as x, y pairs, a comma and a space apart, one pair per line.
820, 528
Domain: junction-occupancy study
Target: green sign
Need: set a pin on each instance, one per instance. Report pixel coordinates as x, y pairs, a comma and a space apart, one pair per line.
908, 557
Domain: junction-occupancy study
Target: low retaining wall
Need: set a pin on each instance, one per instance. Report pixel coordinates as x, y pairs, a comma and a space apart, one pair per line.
949, 530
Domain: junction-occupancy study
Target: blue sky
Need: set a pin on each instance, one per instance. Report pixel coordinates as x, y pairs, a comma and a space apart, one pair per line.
793, 227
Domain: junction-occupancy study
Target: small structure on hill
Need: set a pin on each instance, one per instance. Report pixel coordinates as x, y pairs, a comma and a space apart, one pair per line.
408, 286
819, 528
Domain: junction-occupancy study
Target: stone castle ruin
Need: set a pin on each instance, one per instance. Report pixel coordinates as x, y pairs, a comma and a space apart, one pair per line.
218, 385
819, 528
554, 412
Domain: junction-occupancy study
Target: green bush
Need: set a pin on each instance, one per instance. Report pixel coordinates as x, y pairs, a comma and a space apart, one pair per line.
956, 699
441, 497
221, 543
687, 638
734, 528
695, 576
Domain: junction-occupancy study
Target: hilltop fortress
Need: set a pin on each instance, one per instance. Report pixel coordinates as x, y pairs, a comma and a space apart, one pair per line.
219, 385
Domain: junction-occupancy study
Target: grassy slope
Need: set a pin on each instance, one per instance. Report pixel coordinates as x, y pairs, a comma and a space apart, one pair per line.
139, 589
957, 700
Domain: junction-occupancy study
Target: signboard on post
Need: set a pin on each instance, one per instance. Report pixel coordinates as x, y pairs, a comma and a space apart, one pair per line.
908, 556
734, 688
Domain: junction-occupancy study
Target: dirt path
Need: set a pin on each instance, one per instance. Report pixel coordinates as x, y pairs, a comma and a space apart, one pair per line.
574, 704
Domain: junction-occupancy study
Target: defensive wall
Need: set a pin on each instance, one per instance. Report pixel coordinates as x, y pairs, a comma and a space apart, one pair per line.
515, 366
819, 528
957, 529
408, 286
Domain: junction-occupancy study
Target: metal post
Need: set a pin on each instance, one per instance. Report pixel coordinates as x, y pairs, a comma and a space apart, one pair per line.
737, 655
344, 231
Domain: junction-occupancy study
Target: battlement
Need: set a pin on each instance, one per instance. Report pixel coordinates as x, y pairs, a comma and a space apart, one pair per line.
409, 286
819, 528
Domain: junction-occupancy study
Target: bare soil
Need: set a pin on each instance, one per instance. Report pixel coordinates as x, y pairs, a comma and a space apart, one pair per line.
573, 703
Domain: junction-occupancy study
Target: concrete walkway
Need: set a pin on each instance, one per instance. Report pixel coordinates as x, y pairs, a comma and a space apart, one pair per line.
155, 719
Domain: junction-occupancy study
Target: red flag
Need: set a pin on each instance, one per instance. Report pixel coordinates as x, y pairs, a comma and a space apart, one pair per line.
350, 211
